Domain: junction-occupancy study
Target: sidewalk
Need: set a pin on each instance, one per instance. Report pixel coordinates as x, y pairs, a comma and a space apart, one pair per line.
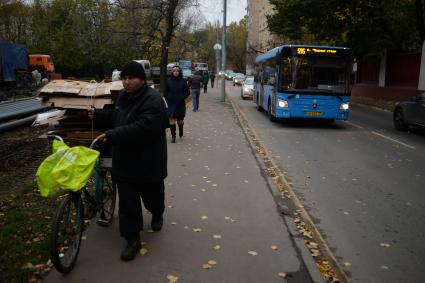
218, 207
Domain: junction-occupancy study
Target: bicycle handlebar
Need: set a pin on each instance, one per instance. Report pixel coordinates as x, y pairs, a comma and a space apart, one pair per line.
59, 138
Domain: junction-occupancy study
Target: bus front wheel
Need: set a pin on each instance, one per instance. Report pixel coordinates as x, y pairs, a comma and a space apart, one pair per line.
269, 113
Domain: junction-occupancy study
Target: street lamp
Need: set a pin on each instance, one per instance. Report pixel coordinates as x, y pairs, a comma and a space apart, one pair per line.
223, 54
217, 48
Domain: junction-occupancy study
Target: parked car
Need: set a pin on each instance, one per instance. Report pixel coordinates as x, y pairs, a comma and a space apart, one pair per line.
238, 79
146, 66
247, 89
410, 112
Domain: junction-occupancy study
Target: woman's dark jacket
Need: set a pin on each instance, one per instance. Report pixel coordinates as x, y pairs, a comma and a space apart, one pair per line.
136, 131
176, 91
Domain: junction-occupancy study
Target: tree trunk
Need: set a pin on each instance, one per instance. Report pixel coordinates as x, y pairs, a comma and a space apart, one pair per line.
420, 25
166, 41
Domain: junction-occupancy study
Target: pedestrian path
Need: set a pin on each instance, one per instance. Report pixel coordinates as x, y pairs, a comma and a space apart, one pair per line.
220, 225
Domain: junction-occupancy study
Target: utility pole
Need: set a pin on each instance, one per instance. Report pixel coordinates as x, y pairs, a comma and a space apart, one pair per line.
223, 55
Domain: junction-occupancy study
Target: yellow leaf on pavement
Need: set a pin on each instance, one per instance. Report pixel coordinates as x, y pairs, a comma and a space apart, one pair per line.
206, 266
385, 245
253, 253
217, 236
212, 262
172, 279
143, 251
217, 247
281, 274
274, 248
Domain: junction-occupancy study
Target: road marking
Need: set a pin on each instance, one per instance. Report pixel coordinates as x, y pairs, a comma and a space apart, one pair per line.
354, 125
394, 140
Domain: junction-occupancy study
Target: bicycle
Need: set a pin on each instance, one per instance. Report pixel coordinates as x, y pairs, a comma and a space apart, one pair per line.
97, 197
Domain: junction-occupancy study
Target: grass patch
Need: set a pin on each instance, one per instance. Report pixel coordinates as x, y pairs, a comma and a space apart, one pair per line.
25, 221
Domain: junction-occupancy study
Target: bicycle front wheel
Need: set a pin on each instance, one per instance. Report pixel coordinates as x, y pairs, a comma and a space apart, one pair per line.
66, 235
109, 197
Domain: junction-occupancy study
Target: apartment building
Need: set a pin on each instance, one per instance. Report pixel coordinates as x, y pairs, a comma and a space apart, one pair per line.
259, 38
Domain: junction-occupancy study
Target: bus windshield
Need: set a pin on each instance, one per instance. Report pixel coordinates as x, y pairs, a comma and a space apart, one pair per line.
315, 74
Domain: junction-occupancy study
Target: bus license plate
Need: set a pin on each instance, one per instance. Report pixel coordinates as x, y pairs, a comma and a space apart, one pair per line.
314, 113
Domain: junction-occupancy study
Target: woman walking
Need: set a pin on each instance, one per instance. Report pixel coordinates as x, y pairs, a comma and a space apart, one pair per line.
176, 91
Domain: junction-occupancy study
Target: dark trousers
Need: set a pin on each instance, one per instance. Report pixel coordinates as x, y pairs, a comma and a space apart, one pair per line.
130, 207
212, 83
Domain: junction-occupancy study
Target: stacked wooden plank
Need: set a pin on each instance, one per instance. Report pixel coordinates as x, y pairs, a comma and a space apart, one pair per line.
76, 97
70, 94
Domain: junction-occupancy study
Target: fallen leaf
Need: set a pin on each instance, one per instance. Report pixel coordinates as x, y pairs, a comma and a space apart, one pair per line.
217, 236
217, 247
384, 267
83, 238
206, 266
151, 231
274, 248
281, 274
173, 223
172, 279
385, 245
347, 263
197, 229
253, 253
143, 251
212, 262
227, 217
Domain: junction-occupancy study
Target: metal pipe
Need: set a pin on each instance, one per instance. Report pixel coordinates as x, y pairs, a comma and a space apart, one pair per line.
223, 55
17, 123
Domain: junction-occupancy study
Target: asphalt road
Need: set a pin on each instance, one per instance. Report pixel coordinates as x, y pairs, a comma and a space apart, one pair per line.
361, 181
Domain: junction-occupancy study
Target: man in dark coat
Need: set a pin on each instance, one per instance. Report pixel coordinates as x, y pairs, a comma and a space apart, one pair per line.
136, 131
176, 91
195, 83
212, 78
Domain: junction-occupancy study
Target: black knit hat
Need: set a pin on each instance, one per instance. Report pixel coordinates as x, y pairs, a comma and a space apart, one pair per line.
135, 69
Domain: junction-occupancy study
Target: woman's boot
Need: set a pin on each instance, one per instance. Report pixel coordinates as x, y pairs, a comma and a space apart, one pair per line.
181, 130
173, 133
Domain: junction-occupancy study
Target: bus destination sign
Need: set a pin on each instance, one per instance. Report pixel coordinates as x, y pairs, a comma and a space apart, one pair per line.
310, 51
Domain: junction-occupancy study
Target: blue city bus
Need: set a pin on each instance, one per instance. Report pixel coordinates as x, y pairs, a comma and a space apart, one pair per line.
302, 81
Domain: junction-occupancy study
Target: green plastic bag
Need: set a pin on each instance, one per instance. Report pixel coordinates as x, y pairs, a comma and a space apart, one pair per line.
68, 168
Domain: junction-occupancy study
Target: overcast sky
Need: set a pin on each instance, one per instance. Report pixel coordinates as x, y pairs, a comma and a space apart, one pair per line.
212, 10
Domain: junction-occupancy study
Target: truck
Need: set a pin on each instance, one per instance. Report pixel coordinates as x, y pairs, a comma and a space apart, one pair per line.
17, 66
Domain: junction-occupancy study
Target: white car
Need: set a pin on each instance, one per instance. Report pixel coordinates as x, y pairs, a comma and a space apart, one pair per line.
238, 79
247, 90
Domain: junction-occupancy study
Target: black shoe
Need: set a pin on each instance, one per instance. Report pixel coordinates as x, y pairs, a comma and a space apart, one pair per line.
173, 140
180, 131
131, 250
156, 223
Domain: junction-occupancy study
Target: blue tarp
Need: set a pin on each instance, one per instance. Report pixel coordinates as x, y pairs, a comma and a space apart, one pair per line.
12, 57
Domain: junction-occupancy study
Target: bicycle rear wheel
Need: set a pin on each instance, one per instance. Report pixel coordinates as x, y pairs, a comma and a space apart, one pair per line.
66, 234
109, 197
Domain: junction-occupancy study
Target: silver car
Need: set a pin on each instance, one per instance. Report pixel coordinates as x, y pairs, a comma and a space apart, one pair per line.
247, 89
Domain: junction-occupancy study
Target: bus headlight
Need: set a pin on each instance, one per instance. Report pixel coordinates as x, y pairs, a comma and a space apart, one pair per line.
344, 106
282, 103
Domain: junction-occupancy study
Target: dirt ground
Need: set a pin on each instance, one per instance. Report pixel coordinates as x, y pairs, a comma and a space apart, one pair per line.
25, 216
